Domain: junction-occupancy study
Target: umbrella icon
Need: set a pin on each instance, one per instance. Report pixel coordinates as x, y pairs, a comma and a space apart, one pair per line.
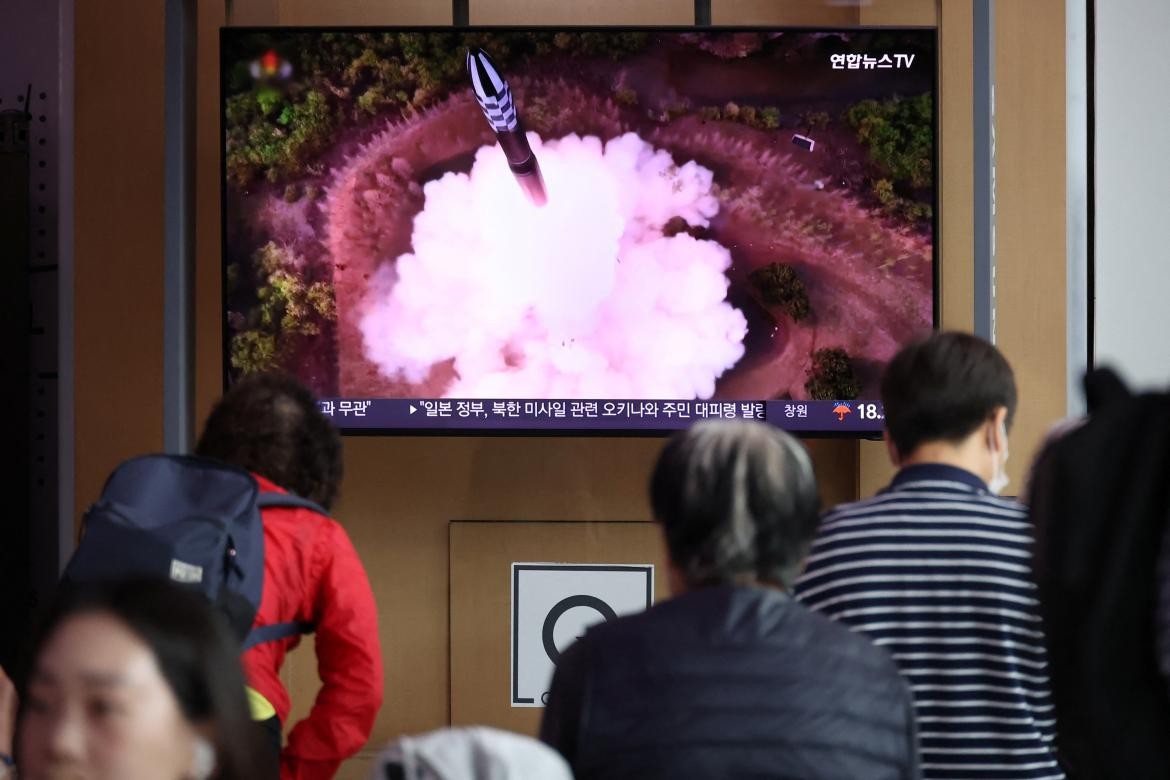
841, 410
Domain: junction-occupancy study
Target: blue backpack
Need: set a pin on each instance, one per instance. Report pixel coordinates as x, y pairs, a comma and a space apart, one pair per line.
194, 521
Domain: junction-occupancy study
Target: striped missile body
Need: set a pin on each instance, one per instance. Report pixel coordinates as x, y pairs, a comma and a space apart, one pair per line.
495, 99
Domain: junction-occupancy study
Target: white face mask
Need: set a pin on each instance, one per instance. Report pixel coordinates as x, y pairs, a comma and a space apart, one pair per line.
1000, 480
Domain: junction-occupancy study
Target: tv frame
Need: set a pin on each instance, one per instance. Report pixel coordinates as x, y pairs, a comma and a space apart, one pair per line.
553, 431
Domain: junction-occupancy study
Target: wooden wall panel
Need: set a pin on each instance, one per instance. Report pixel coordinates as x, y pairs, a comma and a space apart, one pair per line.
119, 238
900, 12
206, 309
581, 12
246, 13
388, 12
956, 176
789, 12
1030, 215
956, 153
310, 13
481, 592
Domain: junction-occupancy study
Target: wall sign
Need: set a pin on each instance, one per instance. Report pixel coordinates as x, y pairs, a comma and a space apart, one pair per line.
553, 604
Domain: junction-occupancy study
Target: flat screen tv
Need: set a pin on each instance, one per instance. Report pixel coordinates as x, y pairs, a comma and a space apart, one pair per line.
613, 230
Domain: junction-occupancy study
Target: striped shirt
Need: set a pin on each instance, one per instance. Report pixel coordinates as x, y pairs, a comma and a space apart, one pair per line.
938, 571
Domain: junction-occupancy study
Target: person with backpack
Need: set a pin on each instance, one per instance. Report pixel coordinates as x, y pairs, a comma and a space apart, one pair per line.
270, 425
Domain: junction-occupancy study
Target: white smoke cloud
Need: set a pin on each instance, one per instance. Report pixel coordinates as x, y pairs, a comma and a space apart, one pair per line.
583, 298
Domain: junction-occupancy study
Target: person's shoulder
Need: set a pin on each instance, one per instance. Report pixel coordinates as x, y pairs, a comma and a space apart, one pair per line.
329, 534
1003, 505
657, 621
897, 503
835, 643
296, 515
838, 638
980, 506
865, 511
306, 529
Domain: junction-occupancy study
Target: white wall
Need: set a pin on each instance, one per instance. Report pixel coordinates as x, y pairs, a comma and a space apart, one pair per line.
1132, 318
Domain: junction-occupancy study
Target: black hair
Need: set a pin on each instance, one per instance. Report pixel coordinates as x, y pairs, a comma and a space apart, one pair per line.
270, 424
944, 387
196, 655
737, 502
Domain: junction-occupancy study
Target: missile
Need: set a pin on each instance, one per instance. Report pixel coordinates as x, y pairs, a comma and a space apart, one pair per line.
496, 101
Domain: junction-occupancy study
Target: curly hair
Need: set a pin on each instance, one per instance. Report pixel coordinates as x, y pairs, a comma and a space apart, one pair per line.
270, 425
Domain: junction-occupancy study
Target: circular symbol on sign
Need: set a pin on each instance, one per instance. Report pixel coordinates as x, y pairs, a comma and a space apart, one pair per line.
563, 606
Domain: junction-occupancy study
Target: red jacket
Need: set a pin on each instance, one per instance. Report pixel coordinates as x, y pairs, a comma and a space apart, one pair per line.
312, 573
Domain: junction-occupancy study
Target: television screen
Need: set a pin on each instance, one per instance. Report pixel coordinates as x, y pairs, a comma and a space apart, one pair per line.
615, 229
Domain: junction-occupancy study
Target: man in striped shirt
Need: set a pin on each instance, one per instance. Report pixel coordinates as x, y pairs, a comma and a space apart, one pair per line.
938, 570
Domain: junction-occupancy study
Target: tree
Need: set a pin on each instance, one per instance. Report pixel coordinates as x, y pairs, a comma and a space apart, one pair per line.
340, 79
373, 99
288, 310
899, 134
883, 190
760, 118
261, 139
253, 352
831, 377
780, 285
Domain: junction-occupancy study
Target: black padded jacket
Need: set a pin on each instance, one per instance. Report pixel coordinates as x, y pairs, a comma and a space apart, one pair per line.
730, 682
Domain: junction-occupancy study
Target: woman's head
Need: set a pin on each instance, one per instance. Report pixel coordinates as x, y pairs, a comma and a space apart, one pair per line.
269, 424
737, 502
136, 680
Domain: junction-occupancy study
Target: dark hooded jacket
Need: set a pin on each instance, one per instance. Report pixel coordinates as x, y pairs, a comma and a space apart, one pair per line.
1100, 499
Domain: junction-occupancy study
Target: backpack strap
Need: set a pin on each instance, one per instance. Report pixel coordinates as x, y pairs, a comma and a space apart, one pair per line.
277, 631
262, 634
290, 501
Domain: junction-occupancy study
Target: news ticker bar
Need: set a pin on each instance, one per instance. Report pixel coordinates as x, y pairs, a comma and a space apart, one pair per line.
495, 414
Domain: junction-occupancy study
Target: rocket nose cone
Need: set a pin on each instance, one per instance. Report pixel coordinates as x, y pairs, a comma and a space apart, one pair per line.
484, 74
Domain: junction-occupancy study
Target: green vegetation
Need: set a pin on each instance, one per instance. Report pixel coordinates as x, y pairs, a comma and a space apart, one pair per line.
899, 135
275, 138
780, 285
831, 377
275, 129
766, 118
895, 205
289, 309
